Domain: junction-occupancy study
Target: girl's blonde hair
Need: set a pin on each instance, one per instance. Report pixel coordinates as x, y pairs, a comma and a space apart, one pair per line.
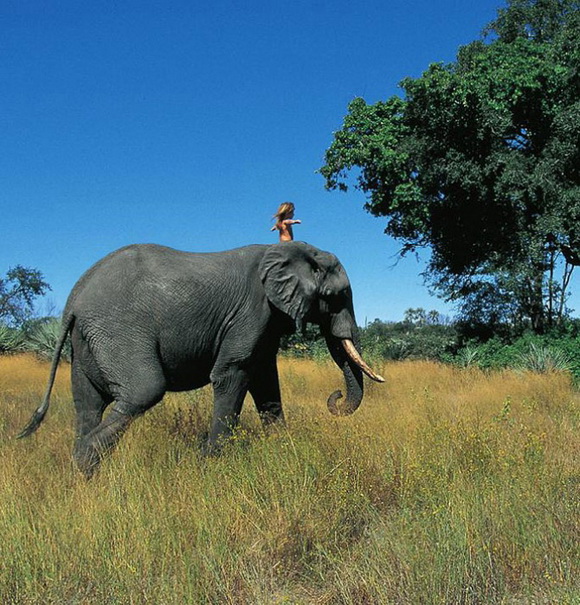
284, 210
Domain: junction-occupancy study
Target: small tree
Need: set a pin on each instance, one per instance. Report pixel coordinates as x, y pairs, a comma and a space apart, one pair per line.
18, 291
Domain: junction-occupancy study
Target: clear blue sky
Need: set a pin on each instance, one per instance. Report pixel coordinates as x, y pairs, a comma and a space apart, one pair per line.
187, 123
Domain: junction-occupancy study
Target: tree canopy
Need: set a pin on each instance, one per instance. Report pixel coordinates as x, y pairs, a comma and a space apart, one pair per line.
18, 290
480, 162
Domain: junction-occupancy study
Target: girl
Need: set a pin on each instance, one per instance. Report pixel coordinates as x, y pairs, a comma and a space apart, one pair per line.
284, 221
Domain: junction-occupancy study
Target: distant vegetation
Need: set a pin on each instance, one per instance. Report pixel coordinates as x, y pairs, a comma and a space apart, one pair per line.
431, 336
18, 291
20, 329
37, 336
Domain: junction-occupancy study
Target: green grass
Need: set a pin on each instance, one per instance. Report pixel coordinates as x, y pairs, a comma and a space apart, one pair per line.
447, 486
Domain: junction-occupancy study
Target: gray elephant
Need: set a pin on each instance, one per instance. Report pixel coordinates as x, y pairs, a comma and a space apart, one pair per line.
147, 319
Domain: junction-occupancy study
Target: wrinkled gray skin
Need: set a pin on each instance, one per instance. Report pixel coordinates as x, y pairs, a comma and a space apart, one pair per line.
149, 319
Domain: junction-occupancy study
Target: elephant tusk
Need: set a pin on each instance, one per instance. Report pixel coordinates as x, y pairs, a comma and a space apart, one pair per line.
355, 356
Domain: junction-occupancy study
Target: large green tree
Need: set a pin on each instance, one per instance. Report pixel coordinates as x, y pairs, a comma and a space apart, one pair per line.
479, 161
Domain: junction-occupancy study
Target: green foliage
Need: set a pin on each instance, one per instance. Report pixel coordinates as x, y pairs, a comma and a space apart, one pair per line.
18, 290
431, 336
11, 340
19, 331
544, 359
530, 352
306, 344
38, 336
468, 356
41, 336
420, 335
479, 161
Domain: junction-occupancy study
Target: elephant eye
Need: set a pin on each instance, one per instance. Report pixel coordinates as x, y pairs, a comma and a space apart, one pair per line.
331, 300
334, 301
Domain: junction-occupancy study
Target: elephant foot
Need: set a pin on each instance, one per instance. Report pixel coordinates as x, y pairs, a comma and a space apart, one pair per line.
90, 449
210, 449
87, 459
272, 420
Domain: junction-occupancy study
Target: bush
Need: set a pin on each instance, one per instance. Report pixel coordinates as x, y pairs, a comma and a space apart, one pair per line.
409, 340
42, 335
542, 354
422, 335
11, 340
38, 336
308, 344
543, 359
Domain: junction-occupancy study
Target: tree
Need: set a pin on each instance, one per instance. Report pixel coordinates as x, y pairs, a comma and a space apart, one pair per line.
480, 162
18, 290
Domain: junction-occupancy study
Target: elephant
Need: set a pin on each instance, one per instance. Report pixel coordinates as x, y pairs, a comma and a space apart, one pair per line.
147, 319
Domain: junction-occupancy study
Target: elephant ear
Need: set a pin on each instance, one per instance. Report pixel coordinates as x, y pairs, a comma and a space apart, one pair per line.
290, 273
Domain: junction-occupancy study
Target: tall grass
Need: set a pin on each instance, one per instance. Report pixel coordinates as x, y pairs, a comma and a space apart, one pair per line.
447, 486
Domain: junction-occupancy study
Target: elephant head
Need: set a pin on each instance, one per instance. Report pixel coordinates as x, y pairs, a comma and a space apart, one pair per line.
311, 285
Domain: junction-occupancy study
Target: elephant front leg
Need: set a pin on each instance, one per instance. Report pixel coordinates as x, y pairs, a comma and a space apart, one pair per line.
229, 388
265, 390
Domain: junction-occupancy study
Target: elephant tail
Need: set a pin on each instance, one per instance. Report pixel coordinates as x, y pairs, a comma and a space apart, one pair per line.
40, 412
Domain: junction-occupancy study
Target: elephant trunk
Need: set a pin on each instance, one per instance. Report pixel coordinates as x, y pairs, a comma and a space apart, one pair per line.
347, 357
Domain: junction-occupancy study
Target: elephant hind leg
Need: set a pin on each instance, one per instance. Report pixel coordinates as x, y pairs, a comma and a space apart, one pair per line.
90, 449
90, 402
141, 392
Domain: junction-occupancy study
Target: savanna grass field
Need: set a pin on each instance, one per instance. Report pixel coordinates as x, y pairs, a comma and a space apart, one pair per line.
447, 486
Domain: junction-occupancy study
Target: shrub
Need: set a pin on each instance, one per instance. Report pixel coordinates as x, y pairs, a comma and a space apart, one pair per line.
42, 335
409, 340
11, 340
542, 354
468, 356
543, 359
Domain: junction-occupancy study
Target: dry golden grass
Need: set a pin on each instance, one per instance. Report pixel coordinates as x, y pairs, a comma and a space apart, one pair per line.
26, 374
447, 486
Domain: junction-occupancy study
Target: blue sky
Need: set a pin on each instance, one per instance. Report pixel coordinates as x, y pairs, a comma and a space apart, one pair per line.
187, 123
